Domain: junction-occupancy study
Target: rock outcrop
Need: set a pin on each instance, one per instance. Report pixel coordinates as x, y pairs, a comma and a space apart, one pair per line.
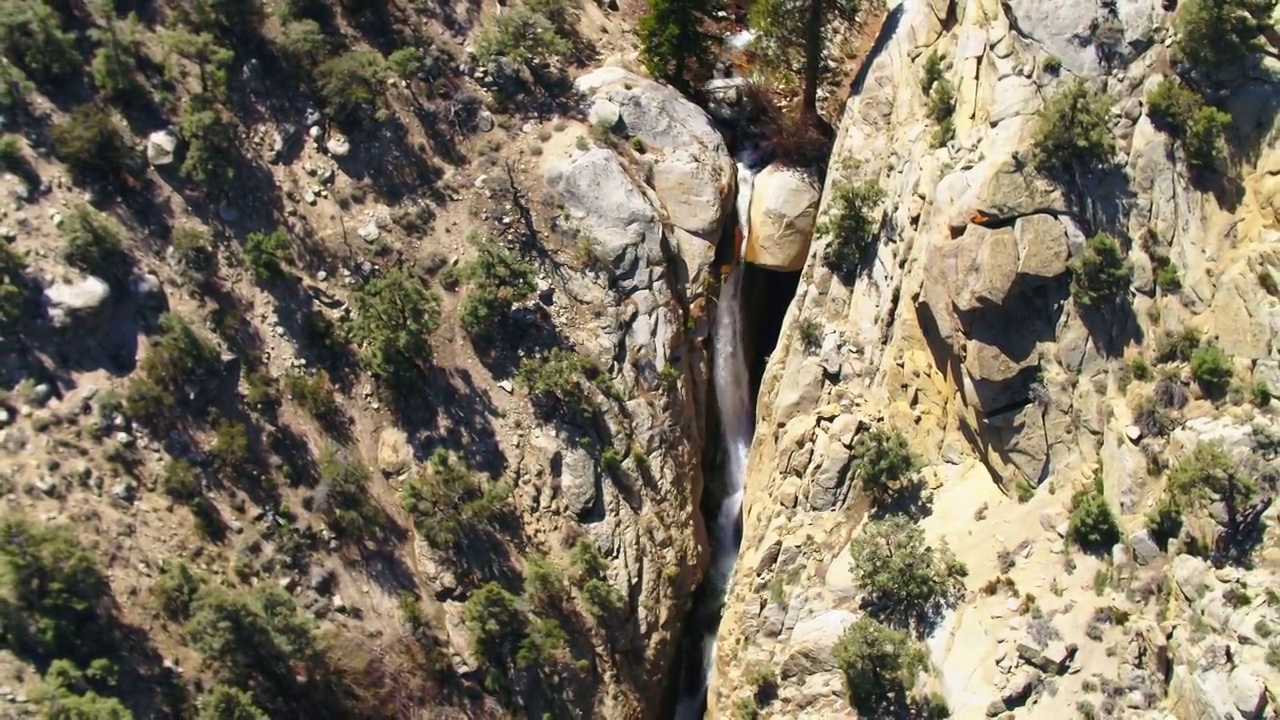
961, 332
784, 207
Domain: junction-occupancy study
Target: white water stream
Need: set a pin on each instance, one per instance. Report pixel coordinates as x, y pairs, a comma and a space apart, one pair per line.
737, 422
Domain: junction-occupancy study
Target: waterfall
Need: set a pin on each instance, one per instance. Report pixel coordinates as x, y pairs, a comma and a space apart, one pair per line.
737, 422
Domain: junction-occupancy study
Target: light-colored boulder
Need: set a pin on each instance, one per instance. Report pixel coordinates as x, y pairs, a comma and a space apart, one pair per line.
338, 146
81, 301
394, 452
812, 641
162, 147
1062, 29
784, 206
1248, 693
693, 175
1192, 576
1042, 246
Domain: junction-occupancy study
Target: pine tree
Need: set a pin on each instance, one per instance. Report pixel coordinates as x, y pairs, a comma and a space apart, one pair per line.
793, 33
672, 41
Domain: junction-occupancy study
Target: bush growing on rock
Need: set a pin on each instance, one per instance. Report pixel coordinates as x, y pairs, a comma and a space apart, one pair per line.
1211, 367
1213, 35
90, 142
904, 579
589, 571
395, 316
446, 501
941, 96
93, 245
1073, 131
1179, 346
882, 463
852, 226
880, 666
1093, 526
1199, 127
1207, 471
557, 382
1102, 275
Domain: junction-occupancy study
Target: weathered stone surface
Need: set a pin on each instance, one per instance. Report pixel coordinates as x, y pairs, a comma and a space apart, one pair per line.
784, 206
1042, 246
812, 641
1145, 549
577, 480
1248, 693
82, 301
693, 175
1192, 576
1064, 30
162, 147
1054, 658
979, 267
394, 452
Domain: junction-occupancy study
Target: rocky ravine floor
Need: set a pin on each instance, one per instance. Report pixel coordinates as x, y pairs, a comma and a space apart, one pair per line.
1012, 395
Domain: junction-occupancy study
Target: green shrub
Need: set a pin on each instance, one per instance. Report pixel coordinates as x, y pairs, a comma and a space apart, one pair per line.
1168, 279
933, 71
11, 158
544, 640
352, 83
1213, 35
900, 573
1140, 370
1211, 367
1267, 281
589, 571
93, 245
1179, 346
51, 592
65, 693
882, 463
446, 501
264, 252
13, 289
1208, 472
523, 36
1182, 112
499, 280
543, 581
673, 41
176, 590
90, 142
224, 702
495, 622
1052, 64
1092, 526
1073, 130
406, 62
315, 394
230, 453
251, 636
880, 666
851, 225
180, 480
343, 495
115, 62
209, 161
809, 331
1102, 275
1165, 522
33, 39
395, 316
305, 42
611, 461
211, 58
556, 382
1261, 394
176, 364
193, 251
237, 17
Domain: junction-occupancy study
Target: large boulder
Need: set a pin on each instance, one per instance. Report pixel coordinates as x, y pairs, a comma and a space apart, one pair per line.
784, 206
693, 175
82, 303
1065, 30
162, 147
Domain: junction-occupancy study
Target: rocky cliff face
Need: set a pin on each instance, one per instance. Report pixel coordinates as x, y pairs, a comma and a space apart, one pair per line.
961, 332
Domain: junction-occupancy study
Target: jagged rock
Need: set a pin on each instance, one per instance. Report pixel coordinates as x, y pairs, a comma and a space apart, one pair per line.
693, 175
1054, 659
1192, 576
394, 452
1248, 693
604, 113
812, 641
1043, 251
577, 474
369, 231
82, 302
1021, 688
162, 147
1065, 31
784, 206
1145, 549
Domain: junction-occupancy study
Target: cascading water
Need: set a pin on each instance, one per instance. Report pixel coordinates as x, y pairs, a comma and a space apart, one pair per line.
734, 403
